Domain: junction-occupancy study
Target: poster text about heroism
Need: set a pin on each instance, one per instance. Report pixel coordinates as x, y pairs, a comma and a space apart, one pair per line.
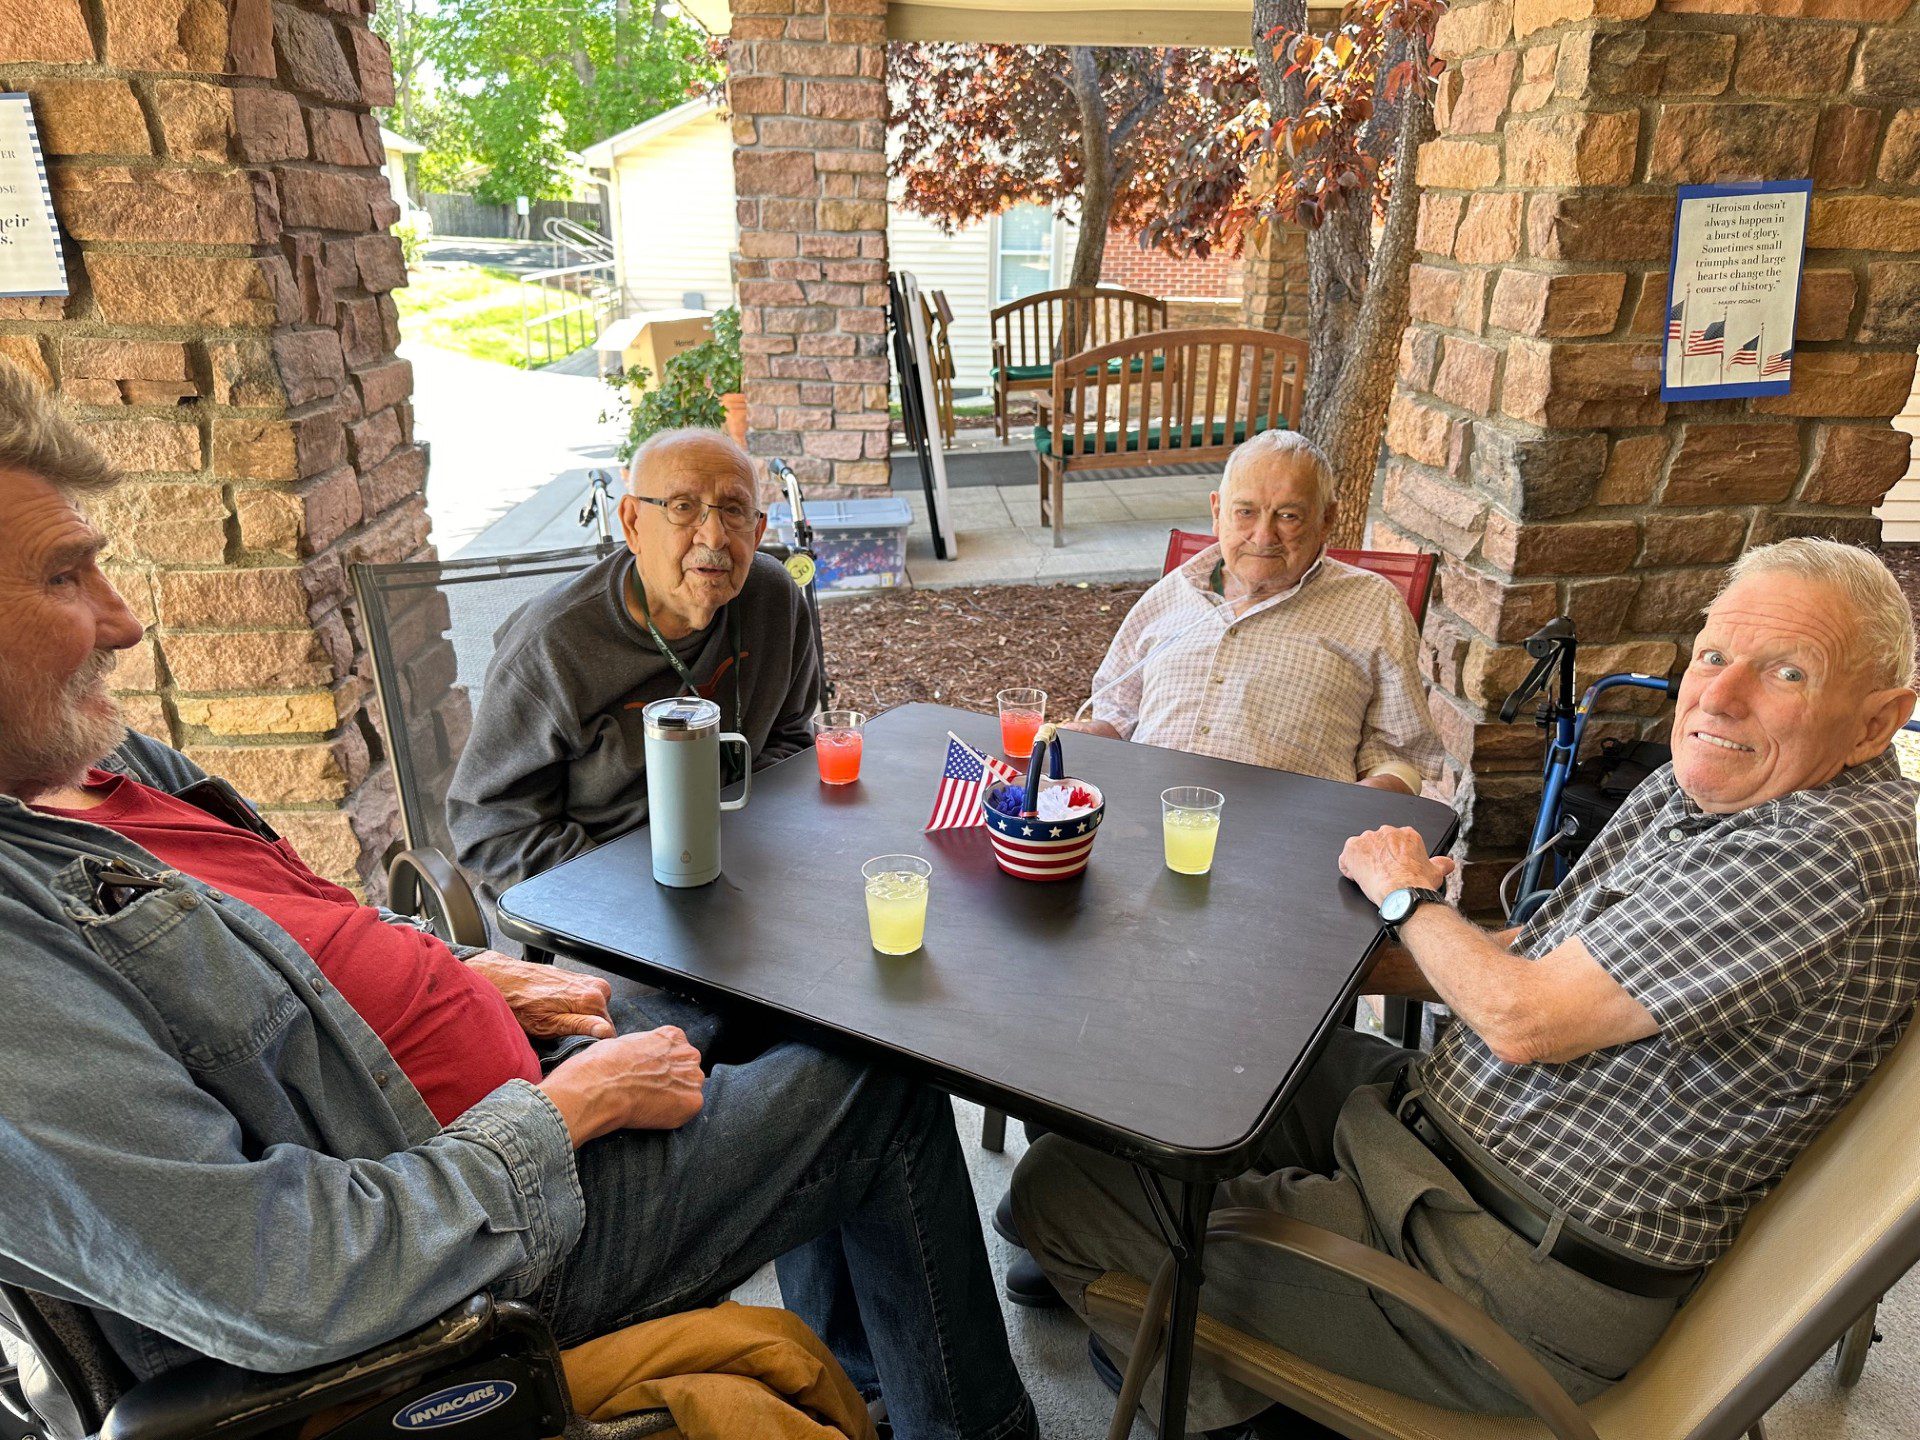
1743, 246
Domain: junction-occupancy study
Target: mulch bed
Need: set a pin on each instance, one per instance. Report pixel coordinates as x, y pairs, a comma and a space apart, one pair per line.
962, 646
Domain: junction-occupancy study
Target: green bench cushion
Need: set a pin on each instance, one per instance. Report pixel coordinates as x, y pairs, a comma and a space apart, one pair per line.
1178, 438
1042, 372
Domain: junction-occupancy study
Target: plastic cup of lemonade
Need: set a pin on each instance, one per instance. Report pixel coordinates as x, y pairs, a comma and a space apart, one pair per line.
896, 902
1021, 714
836, 745
1190, 826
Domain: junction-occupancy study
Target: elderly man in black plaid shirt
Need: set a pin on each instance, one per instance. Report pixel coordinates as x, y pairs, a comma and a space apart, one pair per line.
1628, 1074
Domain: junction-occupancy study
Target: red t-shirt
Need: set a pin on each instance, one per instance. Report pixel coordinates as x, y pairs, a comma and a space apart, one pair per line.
450, 1031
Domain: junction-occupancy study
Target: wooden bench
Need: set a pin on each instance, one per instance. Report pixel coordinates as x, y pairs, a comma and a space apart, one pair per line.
1175, 397
1029, 334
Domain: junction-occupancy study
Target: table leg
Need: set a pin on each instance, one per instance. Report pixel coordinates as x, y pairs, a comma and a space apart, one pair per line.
1196, 1201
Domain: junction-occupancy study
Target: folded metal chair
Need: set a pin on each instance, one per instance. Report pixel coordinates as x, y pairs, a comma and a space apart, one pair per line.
1840, 1229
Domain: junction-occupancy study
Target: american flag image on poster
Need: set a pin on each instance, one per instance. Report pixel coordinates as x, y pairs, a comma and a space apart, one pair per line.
963, 780
1709, 340
1747, 354
1673, 325
1781, 364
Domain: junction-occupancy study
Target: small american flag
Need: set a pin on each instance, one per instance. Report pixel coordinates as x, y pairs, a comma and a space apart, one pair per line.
1673, 324
966, 776
1747, 354
1779, 364
1709, 340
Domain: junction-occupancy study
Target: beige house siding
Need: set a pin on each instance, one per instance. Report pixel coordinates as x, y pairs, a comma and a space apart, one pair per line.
674, 216
1900, 515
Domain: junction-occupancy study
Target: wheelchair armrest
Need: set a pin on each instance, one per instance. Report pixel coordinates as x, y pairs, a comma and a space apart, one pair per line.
210, 1400
426, 874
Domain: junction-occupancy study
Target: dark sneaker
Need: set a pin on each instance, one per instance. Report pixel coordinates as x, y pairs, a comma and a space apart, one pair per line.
1027, 1284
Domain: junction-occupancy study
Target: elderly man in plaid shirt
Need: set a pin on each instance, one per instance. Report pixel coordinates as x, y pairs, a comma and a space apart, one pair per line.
1262, 649
1628, 1074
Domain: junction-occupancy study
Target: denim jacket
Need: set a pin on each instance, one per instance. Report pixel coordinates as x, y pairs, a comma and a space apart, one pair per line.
202, 1141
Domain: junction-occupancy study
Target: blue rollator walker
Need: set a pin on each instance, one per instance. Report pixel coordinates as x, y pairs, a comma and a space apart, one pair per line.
1553, 648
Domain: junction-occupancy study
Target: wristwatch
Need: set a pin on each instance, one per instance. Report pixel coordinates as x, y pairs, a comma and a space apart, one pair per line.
1399, 904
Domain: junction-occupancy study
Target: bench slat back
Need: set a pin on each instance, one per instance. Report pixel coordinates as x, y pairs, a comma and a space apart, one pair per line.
1038, 329
1177, 395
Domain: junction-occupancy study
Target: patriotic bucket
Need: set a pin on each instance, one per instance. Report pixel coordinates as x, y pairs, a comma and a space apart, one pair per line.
1033, 849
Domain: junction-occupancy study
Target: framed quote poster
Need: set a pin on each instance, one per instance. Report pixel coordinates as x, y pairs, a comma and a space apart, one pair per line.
1733, 289
30, 259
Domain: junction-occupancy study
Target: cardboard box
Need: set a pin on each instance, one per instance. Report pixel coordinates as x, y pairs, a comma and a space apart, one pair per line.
653, 337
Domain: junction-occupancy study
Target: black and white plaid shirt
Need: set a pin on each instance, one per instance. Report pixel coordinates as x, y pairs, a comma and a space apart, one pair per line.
1779, 950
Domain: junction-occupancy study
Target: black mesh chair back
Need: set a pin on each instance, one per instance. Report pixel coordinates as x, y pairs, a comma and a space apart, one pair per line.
78, 1376
429, 627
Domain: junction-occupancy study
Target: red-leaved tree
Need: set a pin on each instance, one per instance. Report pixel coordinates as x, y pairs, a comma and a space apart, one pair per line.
977, 128
1332, 149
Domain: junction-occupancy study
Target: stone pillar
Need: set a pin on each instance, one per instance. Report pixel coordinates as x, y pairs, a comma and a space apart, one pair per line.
229, 343
807, 87
1274, 296
1527, 441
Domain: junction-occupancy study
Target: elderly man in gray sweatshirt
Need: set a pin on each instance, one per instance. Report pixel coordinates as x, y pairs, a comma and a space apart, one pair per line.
557, 760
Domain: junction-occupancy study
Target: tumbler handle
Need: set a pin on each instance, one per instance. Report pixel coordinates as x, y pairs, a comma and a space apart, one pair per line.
734, 737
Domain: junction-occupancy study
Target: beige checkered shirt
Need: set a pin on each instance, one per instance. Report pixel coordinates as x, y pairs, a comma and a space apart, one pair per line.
1322, 679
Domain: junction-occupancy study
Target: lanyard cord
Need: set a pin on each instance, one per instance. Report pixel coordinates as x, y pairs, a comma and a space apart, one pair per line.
666, 650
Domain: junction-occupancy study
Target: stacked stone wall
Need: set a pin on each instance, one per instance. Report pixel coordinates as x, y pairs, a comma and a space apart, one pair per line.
1527, 440
229, 343
807, 87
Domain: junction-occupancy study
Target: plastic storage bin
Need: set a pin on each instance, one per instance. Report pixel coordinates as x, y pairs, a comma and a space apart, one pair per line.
859, 544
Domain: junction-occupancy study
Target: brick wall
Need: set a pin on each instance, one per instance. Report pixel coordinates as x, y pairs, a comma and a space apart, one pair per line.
1157, 273
1527, 440
806, 84
1274, 281
229, 343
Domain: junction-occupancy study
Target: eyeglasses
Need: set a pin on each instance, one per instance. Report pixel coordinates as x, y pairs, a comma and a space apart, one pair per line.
685, 511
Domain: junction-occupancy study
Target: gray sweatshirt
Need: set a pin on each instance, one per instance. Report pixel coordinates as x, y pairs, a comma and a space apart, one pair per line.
556, 763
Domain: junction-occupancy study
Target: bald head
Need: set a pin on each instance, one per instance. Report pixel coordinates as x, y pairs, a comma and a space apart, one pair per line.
677, 453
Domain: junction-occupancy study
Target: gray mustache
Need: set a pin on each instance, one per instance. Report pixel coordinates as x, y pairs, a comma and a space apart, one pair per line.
705, 555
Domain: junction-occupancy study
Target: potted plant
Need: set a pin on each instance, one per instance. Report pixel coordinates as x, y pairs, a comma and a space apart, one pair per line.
699, 386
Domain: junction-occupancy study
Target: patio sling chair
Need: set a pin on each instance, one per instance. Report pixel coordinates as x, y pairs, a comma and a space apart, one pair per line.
1838, 1231
429, 627
485, 1368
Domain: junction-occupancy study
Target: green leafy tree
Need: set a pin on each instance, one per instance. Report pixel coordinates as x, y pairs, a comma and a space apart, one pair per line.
537, 78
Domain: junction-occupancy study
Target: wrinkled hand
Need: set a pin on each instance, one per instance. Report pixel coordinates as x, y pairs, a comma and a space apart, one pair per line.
547, 1001
649, 1080
1394, 857
1091, 727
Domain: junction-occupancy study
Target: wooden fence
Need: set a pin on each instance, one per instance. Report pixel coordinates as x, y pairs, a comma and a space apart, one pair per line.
473, 217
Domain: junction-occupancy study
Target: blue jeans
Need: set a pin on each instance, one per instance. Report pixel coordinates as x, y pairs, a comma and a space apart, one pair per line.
850, 1178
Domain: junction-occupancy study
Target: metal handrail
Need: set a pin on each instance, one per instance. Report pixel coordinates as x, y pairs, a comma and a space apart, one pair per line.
563, 232
600, 300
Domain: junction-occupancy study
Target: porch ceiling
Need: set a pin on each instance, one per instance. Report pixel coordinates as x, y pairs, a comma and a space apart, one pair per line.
1052, 22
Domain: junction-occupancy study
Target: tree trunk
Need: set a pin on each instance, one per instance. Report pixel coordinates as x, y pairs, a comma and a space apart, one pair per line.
1096, 167
1355, 418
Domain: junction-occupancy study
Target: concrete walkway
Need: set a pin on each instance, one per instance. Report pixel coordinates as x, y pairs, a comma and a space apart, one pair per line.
500, 437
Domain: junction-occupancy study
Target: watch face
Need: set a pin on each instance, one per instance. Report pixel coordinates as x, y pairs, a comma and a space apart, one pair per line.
1396, 906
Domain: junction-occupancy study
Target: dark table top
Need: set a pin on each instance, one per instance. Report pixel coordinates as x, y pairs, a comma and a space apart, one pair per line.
1162, 1017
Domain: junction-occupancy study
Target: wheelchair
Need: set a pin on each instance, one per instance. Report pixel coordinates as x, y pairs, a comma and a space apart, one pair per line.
484, 1368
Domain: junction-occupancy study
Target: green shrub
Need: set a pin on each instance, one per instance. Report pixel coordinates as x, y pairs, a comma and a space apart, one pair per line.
690, 387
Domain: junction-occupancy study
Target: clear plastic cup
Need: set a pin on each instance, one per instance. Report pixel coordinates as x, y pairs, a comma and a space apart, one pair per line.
1022, 712
897, 902
837, 740
1190, 827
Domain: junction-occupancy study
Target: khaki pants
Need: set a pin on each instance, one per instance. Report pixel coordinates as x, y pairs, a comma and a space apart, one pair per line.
1340, 1160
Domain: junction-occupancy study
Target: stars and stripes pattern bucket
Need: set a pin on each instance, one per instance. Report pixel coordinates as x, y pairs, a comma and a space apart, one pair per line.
1043, 849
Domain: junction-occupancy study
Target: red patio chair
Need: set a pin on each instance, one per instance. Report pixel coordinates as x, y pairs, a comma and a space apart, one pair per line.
1412, 575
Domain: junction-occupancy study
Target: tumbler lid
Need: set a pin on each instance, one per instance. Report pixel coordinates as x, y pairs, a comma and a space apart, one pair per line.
683, 717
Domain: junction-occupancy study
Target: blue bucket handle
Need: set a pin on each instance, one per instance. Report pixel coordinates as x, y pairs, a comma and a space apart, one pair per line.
1046, 746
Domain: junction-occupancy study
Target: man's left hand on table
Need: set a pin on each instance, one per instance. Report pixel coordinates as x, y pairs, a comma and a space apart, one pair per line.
547, 1001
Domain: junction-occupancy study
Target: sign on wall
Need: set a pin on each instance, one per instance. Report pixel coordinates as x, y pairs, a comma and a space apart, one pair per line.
1733, 288
30, 259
